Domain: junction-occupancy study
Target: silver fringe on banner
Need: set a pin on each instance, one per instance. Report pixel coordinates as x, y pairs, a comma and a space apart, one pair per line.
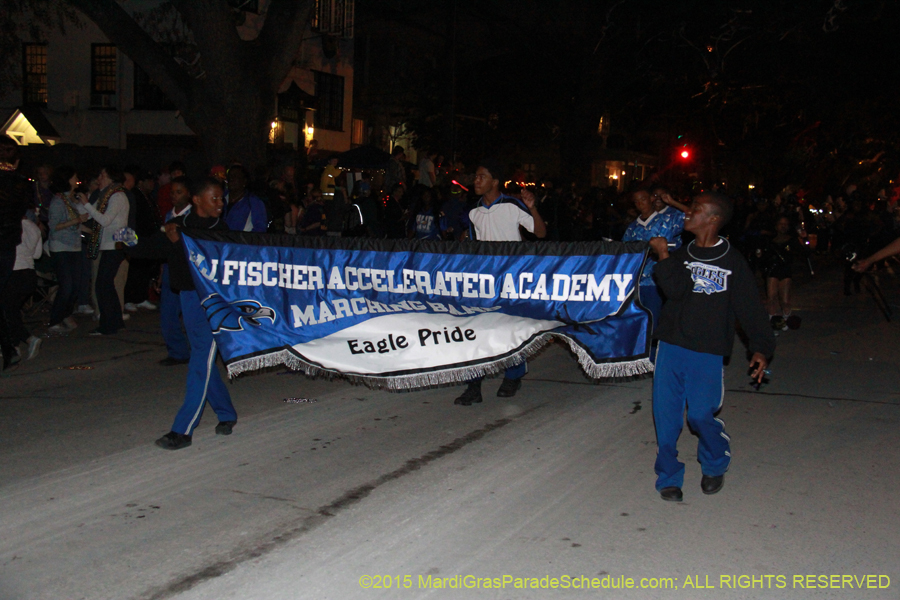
448, 376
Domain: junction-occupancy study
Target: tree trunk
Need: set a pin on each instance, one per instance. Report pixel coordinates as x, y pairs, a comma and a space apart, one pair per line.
228, 101
234, 128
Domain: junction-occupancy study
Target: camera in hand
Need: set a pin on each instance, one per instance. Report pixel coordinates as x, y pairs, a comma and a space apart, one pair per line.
757, 384
849, 252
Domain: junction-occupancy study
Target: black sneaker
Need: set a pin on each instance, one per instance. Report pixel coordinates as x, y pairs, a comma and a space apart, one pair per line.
171, 362
471, 396
509, 387
224, 427
671, 494
174, 441
710, 484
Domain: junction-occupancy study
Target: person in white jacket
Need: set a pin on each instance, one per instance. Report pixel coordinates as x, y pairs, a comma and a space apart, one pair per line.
21, 286
110, 214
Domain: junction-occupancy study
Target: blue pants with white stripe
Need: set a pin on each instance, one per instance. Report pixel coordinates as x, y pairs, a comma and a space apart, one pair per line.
203, 383
170, 320
695, 379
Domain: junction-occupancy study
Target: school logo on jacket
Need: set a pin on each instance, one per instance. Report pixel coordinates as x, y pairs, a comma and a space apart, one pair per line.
708, 279
231, 316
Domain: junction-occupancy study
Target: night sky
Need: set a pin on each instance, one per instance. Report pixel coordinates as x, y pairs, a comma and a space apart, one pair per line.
776, 91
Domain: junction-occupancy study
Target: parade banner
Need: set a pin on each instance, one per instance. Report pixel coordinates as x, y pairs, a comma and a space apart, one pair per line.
406, 314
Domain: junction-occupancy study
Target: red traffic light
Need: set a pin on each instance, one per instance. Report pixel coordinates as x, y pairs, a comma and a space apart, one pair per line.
685, 154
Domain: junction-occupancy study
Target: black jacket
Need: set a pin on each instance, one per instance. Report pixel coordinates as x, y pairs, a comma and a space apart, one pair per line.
159, 246
146, 215
706, 289
14, 196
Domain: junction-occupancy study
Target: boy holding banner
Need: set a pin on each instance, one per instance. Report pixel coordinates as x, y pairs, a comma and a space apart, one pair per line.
707, 284
203, 382
498, 218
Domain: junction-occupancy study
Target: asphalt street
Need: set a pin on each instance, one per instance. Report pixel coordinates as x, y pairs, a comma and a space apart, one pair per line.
359, 493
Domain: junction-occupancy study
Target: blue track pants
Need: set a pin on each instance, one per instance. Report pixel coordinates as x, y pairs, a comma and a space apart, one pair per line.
693, 379
170, 320
203, 383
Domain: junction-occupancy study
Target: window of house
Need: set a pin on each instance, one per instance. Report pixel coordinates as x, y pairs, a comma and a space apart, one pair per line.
34, 76
103, 75
334, 16
147, 95
358, 134
330, 95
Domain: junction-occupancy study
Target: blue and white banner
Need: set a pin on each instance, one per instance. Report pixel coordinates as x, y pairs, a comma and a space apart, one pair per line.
412, 314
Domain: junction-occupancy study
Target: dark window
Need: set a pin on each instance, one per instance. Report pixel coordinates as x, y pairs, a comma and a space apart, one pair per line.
103, 75
330, 97
334, 17
34, 76
147, 95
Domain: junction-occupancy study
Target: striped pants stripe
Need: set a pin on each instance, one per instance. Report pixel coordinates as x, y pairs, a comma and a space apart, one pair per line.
693, 379
203, 383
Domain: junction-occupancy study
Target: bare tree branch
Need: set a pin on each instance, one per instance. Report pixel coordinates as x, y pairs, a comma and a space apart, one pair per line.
607, 24
692, 45
118, 26
281, 36
212, 24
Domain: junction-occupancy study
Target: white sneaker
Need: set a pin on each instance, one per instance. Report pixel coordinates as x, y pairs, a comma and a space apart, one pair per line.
85, 309
34, 344
59, 328
71, 323
130, 307
147, 305
125, 316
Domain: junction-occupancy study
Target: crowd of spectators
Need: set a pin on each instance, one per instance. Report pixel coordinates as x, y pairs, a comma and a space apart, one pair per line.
59, 226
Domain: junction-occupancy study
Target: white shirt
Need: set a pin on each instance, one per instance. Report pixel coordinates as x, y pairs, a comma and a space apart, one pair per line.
645, 222
30, 248
114, 219
500, 222
172, 214
426, 173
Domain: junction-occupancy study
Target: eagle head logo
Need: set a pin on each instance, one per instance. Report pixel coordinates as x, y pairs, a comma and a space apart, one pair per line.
231, 316
705, 286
